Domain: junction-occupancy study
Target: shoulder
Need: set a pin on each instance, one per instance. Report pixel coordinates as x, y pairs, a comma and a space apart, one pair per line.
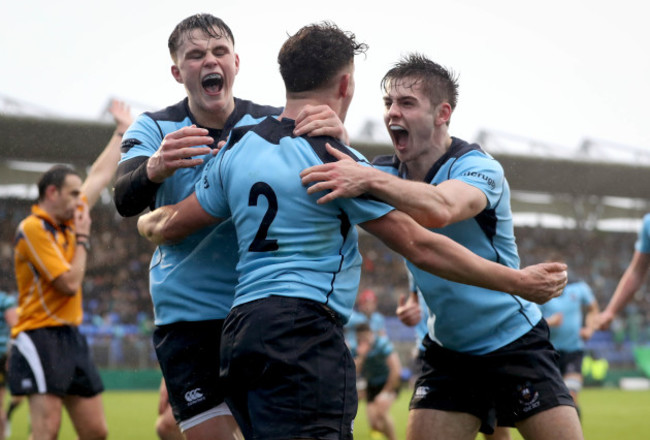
32, 225
245, 107
176, 112
318, 144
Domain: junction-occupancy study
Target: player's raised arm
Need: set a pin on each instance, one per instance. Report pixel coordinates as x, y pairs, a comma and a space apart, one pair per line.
103, 169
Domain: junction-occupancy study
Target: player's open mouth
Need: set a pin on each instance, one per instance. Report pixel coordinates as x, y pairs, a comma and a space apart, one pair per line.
212, 83
399, 134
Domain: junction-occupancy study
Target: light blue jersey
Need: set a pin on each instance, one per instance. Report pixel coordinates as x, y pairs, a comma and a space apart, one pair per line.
375, 367
466, 318
193, 280
288, 244
643, 241
566, 336
6, 302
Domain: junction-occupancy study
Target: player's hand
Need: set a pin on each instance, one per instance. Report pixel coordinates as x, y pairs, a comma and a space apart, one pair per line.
320, 120
542, 282
555, 319
177, 151
82, 219
586, 333
409, 310
604, 319
121, 114
344, 178
218, 148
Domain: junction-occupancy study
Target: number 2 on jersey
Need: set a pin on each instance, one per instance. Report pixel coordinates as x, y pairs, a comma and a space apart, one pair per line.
260, 242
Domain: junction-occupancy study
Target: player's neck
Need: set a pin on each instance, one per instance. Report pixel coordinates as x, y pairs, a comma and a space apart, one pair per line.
295, 104
418, 167
213, 118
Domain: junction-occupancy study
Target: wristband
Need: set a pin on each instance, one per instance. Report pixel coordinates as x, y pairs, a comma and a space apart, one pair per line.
82, 235
85, 244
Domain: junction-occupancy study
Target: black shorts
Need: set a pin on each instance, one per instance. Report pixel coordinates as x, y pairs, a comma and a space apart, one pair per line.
509, 384
53, 360
188, 353
571, 362
373, 391
3, 371
288, 371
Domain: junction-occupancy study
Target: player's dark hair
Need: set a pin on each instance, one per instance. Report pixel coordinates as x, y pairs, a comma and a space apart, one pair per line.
312, 57
440, 83
54, 176
208, 24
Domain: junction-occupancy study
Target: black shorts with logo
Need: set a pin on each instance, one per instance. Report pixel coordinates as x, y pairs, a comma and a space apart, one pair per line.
288, 371
53, 360
507, 385
188, 353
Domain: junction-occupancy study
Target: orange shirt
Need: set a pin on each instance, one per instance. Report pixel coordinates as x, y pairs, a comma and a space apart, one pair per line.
43, 250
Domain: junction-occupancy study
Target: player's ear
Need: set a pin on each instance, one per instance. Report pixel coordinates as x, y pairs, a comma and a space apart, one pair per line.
344, 85
176, 73
50, 191
236, 64
443, 113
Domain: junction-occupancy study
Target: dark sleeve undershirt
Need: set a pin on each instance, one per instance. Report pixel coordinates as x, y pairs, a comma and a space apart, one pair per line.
134, 192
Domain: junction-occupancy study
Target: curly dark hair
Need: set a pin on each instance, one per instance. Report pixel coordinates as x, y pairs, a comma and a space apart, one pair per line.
206, 23
311, 57
440, 83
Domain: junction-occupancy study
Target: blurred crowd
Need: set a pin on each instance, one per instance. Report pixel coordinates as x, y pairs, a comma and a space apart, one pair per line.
118, 310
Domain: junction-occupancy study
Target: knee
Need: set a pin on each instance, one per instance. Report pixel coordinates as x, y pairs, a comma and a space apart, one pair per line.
98, 433
166, 428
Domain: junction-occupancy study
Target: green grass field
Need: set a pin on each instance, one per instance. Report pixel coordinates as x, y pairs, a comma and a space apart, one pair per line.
607, 414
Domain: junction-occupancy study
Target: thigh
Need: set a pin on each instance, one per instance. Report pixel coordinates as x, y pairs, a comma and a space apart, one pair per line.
560, 422
87, 416
45, 415
189, 358
431, 424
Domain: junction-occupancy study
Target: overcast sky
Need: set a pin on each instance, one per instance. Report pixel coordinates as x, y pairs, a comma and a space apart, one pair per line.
558, 71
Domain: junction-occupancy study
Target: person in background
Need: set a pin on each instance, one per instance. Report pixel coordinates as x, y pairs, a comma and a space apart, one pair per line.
8, 319
377, 361
50, 360
632, 279
366, 312
572, 318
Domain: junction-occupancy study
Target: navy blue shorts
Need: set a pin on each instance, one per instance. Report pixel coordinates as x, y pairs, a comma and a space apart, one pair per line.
53, 360
288, 371
189, 357
507, 385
